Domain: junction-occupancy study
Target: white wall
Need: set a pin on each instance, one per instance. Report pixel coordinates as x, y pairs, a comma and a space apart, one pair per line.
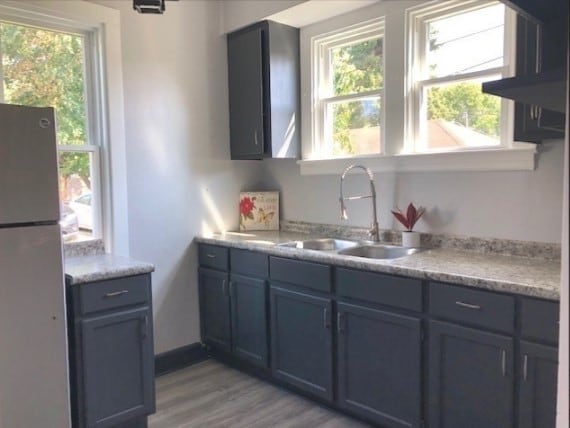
522, 205
180, 178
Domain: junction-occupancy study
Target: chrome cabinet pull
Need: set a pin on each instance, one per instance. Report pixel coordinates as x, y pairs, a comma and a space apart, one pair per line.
525, 367
224, 287
116, 293
467, 305
255, 137
504, 362
211, 256
230, 288
339, 322
326, 323
144, 327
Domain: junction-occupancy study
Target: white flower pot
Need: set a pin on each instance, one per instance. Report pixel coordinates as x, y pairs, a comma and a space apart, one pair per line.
410, 239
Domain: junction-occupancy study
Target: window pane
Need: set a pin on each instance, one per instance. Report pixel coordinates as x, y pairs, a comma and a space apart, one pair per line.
466, 42
355, 127
76, 187
460, 115
357, 67
46, 68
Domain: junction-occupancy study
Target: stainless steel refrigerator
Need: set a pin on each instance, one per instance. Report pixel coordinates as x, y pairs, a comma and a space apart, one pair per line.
34, 386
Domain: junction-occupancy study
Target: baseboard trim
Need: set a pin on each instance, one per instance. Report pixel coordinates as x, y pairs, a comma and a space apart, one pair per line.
179, 358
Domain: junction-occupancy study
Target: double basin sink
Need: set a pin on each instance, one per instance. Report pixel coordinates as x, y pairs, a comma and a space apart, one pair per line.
366, 249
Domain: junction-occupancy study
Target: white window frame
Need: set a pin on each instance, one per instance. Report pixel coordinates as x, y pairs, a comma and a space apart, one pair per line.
321, 75
106, 103
416, 68
92, 113
396, 106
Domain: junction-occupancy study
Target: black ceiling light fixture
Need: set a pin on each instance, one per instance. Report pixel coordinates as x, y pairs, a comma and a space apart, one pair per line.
149, 6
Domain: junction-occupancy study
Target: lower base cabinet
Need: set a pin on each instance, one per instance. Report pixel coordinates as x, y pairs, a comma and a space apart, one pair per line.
537, 388
111, 353
470, 378
378, 382
301, 341
215, 317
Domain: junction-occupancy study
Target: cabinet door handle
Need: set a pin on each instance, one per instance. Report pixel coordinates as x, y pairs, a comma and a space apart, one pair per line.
467, 305
255, 137
525, 367
144, 327
339, 322
116, 293
230, 288
326, 323
211, 256
224, 287
504, 362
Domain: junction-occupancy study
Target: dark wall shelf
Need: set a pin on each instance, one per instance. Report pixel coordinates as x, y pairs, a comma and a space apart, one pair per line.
546, 89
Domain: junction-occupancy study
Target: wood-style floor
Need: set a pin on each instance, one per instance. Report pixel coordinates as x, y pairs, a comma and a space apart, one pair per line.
212, 395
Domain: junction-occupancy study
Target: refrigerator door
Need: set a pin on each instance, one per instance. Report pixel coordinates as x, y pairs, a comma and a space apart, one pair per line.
28, 165
34, 382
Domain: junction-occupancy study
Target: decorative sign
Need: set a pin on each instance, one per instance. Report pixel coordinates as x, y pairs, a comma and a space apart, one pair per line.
259, 211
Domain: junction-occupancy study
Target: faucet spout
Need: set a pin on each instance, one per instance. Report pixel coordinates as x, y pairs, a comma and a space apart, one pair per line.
374, 231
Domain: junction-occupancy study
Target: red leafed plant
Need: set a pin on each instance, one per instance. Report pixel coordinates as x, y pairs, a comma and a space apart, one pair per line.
411, 217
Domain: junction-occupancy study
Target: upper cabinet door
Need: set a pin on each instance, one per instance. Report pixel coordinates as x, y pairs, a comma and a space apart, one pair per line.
245, 77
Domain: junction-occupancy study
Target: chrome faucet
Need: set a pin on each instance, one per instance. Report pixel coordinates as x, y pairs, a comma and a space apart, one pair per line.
374, 231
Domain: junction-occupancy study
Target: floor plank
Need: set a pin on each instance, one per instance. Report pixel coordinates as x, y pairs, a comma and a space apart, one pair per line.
212, 395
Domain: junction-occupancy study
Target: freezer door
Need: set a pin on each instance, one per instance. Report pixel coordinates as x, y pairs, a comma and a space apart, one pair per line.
34, 386
28, 165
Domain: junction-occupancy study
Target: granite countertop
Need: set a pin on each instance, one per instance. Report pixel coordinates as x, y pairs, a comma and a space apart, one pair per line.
98, 267
529, 276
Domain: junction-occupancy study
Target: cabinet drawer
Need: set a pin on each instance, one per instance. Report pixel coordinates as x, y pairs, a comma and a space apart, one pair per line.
249, 263
114, 293
388, 290
305, 274
539, 320
213, 256
481, 308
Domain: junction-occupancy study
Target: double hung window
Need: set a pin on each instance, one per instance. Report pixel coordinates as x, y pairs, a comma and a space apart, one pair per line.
45, 66
348, 83
455, 47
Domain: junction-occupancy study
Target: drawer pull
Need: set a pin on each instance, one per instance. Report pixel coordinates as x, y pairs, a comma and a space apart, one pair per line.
116, 293
211, 256
467, 305
525, 367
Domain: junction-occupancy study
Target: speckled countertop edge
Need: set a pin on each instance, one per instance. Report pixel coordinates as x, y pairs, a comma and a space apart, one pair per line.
99, 267
518, 275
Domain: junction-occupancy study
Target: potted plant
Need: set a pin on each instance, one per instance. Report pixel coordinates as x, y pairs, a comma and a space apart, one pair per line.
409, 220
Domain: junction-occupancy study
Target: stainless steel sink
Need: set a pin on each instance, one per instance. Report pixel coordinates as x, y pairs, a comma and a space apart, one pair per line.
325, 244
379, 251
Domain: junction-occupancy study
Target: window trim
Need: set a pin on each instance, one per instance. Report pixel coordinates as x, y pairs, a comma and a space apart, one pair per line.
320, 76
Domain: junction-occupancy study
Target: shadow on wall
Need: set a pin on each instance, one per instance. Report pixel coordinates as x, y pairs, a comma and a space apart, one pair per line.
172, 299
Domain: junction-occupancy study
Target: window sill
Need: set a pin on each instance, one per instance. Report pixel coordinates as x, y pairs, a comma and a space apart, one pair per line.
515, 159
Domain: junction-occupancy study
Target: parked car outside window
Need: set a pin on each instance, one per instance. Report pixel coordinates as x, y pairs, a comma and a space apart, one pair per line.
82, 207
69, 224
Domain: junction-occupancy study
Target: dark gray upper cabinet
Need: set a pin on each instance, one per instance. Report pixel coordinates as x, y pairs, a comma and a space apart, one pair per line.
470, 378
537, 388
379, 361
540, 84
263, 79
215, 308
111, 352
301, 341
